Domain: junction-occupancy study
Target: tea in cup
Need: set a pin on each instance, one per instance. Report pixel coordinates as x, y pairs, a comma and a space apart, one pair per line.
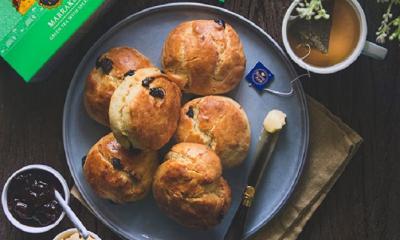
343, 43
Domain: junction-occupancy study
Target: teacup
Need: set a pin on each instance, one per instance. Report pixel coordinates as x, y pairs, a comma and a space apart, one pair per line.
362, 47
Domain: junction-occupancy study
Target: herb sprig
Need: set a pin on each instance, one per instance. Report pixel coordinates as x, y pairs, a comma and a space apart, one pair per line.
312, 9
390, 25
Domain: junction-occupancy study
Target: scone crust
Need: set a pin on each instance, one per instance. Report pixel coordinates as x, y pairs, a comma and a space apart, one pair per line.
204, 57
141, 120
189, 187
218, 122
130, 183
100, 86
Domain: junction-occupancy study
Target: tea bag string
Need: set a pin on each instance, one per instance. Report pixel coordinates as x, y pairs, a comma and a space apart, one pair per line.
290, 93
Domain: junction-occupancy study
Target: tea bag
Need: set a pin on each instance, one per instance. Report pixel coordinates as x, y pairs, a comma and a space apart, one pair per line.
315, 33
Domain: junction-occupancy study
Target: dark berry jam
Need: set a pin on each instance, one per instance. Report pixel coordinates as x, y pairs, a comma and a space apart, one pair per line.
31, 199
157, 92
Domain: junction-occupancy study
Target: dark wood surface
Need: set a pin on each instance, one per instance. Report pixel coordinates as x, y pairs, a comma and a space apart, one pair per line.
364, 203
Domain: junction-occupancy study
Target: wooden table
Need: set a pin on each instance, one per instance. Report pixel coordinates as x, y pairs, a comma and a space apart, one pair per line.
365, 202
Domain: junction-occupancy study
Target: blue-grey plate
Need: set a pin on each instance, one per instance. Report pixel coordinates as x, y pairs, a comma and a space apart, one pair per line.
146, 31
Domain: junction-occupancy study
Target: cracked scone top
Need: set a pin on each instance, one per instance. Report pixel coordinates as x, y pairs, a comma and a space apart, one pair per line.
118, 174
189, 187
110, 70
144, 110
204, 56
218, 122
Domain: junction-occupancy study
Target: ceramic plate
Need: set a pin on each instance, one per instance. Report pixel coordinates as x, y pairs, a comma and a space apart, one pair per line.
146, 31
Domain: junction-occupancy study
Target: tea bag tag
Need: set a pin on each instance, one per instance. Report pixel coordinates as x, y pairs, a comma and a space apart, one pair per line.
260, 76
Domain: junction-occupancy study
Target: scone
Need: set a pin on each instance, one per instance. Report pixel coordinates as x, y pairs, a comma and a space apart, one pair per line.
110, 70
218, 122
118, 174
189, 187
144, 110
204, 57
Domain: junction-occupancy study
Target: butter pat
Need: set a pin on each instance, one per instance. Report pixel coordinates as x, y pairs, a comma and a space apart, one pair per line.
274, 121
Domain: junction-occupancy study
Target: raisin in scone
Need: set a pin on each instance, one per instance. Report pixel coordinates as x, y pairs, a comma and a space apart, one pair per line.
189, 187
118, 174
144, 110
218, 122
110, 70
204, 57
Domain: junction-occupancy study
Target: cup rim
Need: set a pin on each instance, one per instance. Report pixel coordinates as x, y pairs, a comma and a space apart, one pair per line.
13, 220
339, 66
71, 231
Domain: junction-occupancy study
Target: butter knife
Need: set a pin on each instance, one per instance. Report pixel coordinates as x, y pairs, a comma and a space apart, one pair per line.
272, 126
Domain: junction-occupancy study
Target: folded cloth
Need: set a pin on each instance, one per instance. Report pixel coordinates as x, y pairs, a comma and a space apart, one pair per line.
332, 145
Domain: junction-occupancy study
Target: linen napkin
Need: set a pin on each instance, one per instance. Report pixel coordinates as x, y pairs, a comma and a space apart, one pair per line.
332, 145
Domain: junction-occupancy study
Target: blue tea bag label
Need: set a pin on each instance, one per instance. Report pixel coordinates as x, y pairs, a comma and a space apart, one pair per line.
260, 76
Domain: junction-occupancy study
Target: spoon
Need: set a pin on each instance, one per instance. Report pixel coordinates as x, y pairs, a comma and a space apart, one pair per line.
72, 216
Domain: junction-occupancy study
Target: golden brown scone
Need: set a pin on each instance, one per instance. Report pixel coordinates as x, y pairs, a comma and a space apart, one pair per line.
189, 187
110, 70
218, 122
204, 57
144, 110
118, 174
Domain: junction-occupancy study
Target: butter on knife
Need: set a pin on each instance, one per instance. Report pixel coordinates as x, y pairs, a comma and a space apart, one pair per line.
274, 121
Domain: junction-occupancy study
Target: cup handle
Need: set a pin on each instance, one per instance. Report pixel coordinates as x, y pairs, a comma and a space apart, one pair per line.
374, 50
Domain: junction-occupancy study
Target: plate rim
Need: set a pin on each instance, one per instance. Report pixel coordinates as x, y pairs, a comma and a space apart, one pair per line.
296, 85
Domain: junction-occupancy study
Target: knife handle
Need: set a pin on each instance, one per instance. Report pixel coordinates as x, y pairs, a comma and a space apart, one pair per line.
236, 228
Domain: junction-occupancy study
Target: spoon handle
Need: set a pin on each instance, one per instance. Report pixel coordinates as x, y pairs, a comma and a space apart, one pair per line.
71, 215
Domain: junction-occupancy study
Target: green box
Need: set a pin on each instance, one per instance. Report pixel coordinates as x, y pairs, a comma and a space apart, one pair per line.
31, 31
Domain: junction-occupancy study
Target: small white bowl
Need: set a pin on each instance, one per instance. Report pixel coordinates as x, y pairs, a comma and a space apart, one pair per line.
69, 232
14, 221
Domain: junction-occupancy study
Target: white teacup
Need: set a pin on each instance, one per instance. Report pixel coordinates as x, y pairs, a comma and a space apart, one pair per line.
363, 46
